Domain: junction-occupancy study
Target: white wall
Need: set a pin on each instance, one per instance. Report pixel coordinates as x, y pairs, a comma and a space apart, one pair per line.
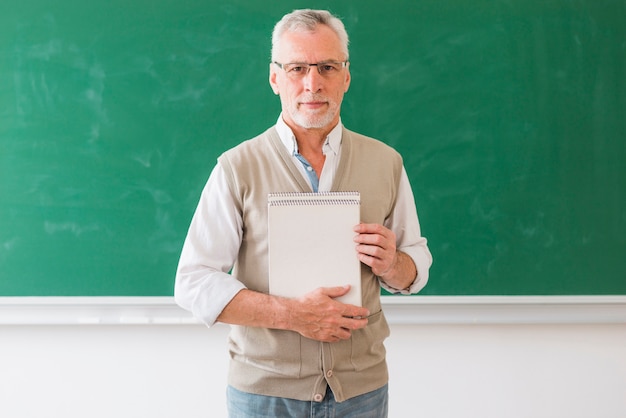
437, 370
506, 371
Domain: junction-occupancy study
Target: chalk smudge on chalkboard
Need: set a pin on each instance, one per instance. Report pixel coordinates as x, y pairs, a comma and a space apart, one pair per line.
165, 237
477, 210
145, 158
55, 74
159, 196
9, 244
74, 228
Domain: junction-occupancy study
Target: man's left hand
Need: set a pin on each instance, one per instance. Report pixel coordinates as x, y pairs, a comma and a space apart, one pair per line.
376, 247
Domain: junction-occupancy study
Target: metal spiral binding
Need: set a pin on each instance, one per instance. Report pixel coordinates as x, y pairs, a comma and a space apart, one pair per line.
314, 199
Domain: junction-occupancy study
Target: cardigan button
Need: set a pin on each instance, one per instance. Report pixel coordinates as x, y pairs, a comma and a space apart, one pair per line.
318, 397
329, 373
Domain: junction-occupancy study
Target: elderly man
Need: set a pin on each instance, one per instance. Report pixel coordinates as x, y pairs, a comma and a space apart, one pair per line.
303, 356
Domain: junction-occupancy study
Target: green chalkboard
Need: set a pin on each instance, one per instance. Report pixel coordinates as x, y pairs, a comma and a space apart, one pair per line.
511, 116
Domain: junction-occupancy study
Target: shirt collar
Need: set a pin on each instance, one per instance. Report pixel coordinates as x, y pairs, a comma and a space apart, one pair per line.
332, 143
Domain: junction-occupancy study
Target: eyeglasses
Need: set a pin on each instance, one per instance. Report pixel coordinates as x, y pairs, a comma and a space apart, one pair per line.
327, 69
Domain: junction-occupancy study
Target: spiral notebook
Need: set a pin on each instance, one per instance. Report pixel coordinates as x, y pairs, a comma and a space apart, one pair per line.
311, 243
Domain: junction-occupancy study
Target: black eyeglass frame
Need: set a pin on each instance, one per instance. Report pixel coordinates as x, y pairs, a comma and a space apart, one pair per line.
319, 65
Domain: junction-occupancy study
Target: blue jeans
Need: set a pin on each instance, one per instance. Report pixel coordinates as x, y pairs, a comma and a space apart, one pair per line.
247, 405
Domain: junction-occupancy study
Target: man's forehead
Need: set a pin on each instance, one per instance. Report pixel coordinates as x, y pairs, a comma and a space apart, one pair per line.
299, 45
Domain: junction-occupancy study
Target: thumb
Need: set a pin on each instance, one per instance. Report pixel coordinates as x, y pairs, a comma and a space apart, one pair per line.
335, 292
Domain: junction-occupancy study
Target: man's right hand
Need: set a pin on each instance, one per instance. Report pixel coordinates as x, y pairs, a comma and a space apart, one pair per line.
317, 315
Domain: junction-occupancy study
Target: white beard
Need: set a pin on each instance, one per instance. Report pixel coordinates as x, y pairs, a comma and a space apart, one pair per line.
316, 119
313, 121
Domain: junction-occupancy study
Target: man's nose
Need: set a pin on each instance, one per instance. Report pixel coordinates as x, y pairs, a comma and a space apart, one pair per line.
313, 79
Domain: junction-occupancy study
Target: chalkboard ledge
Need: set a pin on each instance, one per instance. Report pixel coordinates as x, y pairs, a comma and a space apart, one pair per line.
400, 310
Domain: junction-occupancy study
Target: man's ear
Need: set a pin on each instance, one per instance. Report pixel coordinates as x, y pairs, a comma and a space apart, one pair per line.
272, 80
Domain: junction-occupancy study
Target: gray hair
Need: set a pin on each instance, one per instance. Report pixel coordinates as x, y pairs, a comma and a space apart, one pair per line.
307, 20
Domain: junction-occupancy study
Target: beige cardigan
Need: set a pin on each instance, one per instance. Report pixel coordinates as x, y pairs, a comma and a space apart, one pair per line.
284, 363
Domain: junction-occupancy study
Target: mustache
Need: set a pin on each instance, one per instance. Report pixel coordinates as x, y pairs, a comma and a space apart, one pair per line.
313, 98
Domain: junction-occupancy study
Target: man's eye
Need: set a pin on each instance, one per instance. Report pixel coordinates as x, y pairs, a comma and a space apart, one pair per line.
297, 69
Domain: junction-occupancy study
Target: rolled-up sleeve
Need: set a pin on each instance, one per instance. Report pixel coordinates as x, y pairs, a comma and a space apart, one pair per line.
203, 284
405, 224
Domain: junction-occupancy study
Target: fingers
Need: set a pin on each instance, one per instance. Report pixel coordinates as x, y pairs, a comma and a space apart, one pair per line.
323, 318
342, 332
364, 228
376, 247
335, 292
347, 309
375, 238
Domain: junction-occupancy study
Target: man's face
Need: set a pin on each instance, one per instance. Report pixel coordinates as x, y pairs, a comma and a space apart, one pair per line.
312, 101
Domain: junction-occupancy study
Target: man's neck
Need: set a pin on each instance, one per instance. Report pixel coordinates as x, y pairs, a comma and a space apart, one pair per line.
311, 140
311, 143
